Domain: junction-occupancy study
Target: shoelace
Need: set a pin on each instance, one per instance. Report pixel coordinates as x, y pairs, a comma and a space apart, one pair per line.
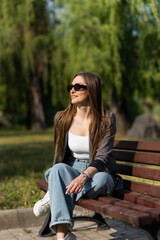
46, 204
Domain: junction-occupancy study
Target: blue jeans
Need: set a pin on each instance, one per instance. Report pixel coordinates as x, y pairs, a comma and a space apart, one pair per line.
59, 176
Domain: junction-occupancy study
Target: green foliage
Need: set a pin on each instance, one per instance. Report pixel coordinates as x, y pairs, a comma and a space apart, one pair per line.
109, 38
26, 44
91, 40
148, 41
117, 39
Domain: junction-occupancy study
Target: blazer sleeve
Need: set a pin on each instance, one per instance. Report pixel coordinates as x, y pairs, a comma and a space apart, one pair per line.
56, 116
104, 159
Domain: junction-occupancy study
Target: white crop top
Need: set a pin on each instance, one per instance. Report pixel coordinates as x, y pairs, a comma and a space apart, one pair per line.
79, 146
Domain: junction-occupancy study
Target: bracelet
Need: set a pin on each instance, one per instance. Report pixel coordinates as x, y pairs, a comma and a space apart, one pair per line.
85, 176
89, 175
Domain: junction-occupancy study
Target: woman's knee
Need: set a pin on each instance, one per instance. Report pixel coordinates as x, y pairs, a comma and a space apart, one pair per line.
59, 168
103, 180
100, 180
100, 184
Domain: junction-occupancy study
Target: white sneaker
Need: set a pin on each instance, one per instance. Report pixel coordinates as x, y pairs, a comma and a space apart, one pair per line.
42, 206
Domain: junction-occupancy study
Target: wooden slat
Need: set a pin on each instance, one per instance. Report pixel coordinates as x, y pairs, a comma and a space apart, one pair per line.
138, 198
155, 213
137, 145
130, 216
141, 172
137, 157
144, 188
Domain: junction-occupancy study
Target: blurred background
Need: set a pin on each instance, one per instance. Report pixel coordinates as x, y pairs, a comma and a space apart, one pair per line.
43, 44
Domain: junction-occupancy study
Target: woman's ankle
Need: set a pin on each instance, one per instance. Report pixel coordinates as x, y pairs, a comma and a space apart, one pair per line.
61, 236
61, 231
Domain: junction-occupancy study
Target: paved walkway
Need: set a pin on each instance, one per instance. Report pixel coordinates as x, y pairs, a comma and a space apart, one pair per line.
25, 226
83, 231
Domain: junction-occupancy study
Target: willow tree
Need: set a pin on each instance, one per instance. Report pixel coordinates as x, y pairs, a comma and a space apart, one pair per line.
26, 44
109, 37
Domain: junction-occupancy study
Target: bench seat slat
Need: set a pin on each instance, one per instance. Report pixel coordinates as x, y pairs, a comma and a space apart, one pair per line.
138, 198
142, 172
137, 157
135, 218
143, 188
137, 145
123, 194
155, 213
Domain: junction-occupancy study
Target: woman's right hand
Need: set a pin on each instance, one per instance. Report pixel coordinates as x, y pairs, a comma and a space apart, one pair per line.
76, 185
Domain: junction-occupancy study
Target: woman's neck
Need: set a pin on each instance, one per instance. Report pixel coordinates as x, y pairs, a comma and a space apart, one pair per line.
83, 112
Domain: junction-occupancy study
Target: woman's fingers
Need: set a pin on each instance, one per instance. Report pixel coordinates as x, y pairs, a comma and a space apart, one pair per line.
69, 187
78, 190
73, 187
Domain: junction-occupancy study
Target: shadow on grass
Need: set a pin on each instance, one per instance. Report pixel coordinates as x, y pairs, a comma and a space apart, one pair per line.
24, 158
18, 132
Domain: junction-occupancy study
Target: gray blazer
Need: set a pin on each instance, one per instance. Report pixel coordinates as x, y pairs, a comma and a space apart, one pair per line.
104, 160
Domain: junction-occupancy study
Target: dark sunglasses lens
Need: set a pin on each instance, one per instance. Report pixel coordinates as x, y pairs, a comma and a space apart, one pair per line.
77, 87
69, 87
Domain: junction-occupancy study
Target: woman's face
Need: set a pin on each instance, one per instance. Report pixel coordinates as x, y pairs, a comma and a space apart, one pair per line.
80, 97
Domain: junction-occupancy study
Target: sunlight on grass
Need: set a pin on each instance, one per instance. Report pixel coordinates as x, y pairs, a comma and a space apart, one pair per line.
17, 137
19, 191
24, 157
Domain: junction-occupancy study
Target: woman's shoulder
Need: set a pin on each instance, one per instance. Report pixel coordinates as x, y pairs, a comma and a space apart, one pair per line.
112, 120
110, 114
57, 115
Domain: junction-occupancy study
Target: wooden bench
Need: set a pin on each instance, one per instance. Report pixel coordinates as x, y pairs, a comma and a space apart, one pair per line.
139, 202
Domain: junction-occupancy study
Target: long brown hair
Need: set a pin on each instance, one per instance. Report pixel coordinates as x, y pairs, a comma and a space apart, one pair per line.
100, 118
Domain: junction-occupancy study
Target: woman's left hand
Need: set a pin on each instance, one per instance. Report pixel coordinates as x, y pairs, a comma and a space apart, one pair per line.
76, 185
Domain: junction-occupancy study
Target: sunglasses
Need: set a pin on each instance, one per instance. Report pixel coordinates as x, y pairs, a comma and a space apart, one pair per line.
76, 87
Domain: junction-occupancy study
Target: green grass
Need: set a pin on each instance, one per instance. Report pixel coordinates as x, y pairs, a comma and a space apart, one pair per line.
24, 157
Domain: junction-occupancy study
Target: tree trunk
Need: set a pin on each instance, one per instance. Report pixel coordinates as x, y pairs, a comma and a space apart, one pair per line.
122, 123
36, 112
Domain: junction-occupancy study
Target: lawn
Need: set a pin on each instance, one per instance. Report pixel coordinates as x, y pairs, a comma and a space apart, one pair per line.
24, 157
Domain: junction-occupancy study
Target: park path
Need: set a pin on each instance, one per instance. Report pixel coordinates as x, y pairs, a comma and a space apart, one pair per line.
83, 231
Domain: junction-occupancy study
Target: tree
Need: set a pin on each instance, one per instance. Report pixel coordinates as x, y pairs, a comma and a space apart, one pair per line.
108, 37
26, 45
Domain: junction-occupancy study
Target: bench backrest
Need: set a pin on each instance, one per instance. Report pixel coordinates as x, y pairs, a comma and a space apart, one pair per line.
139, 164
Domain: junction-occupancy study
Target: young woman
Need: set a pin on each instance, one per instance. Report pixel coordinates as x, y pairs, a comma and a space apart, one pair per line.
83, 163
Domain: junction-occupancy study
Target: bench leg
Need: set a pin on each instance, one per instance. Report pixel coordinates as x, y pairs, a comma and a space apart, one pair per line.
152, 230
97, 218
